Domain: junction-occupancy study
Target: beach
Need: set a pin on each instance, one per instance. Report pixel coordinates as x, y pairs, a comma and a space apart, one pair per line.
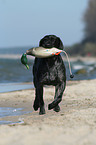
75, 124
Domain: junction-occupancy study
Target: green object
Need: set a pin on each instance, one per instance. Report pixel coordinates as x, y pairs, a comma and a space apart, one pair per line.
24, 60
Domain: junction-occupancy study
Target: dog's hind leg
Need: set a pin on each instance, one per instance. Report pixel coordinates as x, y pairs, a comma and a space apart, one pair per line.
58, 97
39, 100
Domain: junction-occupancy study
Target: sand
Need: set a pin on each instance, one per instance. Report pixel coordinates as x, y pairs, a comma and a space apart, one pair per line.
75, 124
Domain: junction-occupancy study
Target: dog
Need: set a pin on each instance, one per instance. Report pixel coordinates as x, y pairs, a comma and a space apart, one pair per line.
49, 71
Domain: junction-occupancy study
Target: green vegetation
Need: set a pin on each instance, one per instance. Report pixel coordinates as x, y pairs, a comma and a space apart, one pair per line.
89, 19
88, 45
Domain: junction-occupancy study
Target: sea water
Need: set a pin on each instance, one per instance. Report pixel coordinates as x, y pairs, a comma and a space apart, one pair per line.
11, 69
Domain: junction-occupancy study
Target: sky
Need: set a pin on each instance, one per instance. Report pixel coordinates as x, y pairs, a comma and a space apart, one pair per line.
25, 22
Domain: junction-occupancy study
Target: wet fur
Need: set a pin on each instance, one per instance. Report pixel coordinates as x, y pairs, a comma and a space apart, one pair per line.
49, 71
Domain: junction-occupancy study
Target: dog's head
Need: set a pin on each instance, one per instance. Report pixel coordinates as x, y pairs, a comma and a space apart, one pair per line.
50, 41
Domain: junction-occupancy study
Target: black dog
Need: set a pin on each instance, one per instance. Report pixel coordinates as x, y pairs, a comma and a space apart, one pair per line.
49, 71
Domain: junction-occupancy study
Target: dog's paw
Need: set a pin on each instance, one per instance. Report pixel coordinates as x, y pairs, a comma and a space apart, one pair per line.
54, 103
35, 106
57, 108
42, 110
50, 106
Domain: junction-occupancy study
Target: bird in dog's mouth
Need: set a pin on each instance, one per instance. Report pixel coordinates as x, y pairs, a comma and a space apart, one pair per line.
41, 52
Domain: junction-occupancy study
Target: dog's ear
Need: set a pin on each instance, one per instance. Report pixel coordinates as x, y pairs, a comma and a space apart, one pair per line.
41, 42
59, 43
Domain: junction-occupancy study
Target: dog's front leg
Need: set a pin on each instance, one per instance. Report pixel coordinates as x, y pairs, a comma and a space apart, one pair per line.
39, 100
36, 104
58, 97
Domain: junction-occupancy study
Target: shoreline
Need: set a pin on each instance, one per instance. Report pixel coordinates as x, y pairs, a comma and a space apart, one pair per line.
20, 86
72, 58
75, 124
11, 87
14, 56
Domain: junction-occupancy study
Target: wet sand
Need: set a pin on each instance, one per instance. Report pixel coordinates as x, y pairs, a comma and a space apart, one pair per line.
75, 124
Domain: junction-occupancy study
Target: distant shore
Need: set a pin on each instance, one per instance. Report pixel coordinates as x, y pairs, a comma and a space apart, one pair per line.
75, 124
13, 56
75, 58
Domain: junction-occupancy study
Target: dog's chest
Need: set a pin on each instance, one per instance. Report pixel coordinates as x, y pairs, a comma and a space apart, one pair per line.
48, 71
